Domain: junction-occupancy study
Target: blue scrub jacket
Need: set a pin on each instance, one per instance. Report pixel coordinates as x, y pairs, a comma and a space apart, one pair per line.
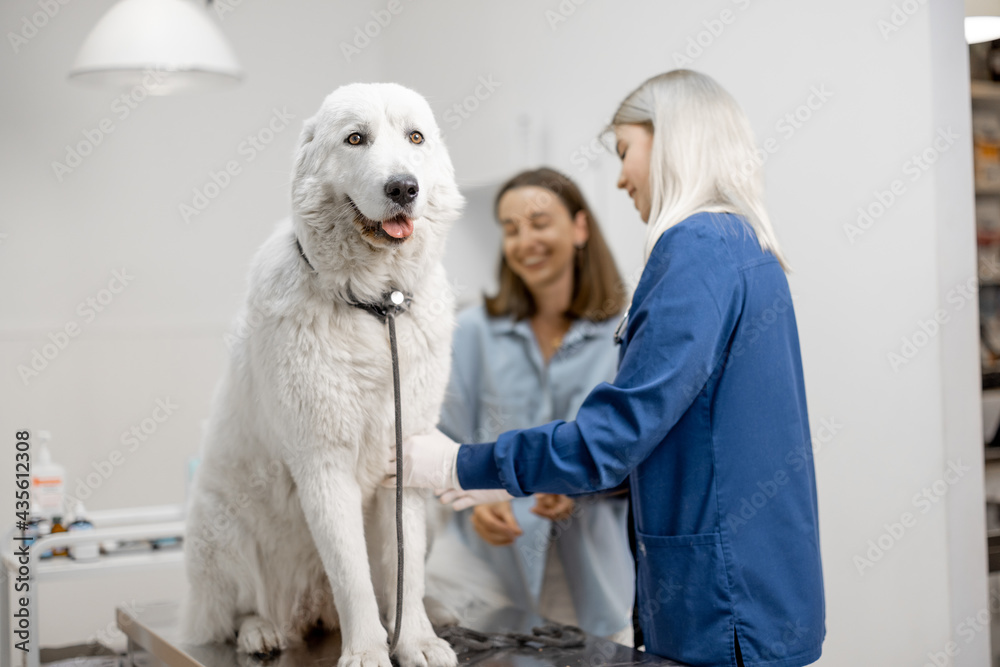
707, 415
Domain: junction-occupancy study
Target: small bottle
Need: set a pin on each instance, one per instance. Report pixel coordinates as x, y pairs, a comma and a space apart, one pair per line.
57, 527
44, 528
47, 479
31, 530
84, 551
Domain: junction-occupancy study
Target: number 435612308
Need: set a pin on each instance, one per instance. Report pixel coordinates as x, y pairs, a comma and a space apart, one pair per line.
22, 479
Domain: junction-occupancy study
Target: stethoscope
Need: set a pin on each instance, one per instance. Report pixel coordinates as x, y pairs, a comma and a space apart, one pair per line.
620, 329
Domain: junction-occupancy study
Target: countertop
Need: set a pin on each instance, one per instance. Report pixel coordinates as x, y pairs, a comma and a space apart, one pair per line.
153, 637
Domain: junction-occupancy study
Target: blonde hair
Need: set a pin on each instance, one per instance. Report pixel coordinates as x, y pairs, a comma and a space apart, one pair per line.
703, 154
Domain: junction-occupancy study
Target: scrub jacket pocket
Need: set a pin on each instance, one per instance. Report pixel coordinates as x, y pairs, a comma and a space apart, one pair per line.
683, 578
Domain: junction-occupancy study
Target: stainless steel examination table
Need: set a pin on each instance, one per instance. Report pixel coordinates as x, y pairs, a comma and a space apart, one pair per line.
152, 641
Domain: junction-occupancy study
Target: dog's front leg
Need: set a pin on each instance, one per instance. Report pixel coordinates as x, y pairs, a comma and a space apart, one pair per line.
331, 501
418, 645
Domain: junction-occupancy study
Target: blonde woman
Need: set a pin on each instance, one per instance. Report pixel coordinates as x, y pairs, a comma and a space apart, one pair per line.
526, 356
707, 413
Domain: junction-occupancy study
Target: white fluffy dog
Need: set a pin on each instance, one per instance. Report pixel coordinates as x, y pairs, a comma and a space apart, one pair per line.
289, 529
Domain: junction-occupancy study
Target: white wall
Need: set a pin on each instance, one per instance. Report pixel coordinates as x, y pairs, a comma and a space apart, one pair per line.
895, 430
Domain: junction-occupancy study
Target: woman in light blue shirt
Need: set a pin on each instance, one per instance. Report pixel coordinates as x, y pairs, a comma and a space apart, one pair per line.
529, 355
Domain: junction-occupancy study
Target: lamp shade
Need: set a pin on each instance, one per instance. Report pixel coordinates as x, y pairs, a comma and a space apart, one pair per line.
166, 46
982, 20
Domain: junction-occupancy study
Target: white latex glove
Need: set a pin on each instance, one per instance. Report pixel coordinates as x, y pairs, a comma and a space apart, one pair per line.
428, 462
460, 500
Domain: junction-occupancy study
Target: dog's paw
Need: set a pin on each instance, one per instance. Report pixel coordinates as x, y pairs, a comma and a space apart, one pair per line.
371, 657
429, 651
260, 638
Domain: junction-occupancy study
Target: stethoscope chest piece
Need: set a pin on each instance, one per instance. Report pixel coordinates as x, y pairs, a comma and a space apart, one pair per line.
620, 329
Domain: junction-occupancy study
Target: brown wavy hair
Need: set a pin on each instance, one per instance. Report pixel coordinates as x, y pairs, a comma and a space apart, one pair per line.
598, 290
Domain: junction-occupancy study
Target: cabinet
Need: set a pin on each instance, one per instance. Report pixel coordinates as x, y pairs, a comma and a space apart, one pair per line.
986, 151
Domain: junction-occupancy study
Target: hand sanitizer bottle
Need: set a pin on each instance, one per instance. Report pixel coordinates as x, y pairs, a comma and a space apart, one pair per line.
47, 479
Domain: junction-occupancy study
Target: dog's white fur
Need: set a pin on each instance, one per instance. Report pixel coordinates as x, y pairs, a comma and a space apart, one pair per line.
288, 527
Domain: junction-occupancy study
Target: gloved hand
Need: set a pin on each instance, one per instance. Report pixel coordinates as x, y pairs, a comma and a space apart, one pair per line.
428, 462
460, 500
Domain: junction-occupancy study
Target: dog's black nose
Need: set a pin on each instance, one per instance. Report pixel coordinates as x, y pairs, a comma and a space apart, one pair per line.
402, 189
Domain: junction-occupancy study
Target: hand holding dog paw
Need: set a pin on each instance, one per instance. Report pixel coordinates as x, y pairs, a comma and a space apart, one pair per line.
460, 500
428, 462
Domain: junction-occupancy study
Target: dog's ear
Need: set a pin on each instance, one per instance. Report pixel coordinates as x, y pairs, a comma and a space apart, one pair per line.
445, 202
308, 200
305, 157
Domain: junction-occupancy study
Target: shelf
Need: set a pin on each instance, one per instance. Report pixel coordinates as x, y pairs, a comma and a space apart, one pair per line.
991, 379
985, 91
63, 567
115, 561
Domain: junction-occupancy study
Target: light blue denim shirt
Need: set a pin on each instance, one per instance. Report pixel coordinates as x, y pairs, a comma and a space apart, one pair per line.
499, 381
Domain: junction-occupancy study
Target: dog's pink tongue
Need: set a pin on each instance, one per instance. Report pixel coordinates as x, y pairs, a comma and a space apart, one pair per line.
398, 228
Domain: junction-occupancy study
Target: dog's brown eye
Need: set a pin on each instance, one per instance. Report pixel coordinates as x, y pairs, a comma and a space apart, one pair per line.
416, 137
355, 139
